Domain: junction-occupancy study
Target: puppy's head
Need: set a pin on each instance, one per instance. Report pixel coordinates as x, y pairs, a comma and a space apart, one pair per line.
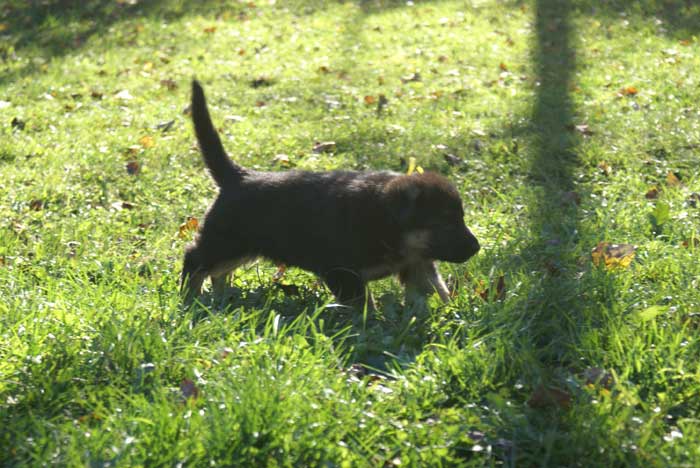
429, 213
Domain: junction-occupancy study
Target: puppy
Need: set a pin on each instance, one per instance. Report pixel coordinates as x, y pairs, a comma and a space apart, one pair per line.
347, 227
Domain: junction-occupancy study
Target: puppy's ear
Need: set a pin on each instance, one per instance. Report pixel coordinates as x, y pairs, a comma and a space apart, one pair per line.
402, 199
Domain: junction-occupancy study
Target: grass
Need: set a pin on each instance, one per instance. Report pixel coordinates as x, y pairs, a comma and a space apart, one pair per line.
559, 116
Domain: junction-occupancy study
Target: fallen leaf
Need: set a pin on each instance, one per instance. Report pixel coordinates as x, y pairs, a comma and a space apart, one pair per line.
370, 100
133, 167
279, 274
189, 389
282, 159
605, 168
324, 69
210, 30
503, 67
693, 242
628, 91
169, 84
3, 260
260, 103
498, 293
545, 397
412, 167
652, 193
673, 179
598, 376
122, 205
613, 255
451, 159
413, 77
188, 226
147, 141
96, 94
165, 126
323, 147
36, 205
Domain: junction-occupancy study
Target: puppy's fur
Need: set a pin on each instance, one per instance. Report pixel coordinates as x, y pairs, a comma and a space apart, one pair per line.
346, 227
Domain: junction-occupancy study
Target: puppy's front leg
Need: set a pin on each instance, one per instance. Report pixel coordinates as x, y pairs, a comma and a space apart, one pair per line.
349, 288
422, 279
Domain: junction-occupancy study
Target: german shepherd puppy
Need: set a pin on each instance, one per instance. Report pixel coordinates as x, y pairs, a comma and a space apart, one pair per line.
347, 227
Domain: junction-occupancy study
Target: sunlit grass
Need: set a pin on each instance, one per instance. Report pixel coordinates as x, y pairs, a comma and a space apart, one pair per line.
554, 144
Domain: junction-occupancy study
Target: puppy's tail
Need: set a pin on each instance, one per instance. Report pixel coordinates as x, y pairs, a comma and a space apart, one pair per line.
220, 166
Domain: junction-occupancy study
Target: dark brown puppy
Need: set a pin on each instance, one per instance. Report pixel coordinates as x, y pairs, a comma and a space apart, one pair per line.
346, 227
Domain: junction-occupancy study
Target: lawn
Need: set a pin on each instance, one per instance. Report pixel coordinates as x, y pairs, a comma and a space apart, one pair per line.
570, 127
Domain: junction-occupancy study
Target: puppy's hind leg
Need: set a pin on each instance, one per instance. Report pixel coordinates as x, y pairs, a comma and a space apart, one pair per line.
421, 279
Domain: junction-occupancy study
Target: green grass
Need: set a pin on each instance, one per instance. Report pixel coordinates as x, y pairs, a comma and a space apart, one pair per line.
100, 365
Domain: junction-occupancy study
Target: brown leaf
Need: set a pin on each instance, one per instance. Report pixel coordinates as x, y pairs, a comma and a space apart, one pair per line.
189, 389
598, 376
282, 159
693, 242
497, 291
96, 94
652, 193
613, 255
605, 168
188, 226
324, 69
260, 103
133, 167
413, 77
210, 30
36, 205
3, 261
547, 397
323, 147
147, 141
628, 91
279, 274
370, 100
503, 67
123, 205
169, 84
673, 179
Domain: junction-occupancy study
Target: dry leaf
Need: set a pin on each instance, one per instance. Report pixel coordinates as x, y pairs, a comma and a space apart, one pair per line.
498, 294
36, 205
210, 30
147, 141
613, 255
282, 159
605, 167
188, 226
413, 77
279, 274
324, 69
168, 83
323, 147
544, 397
628, 91
502, 66
189, 389
598, 376
370, 100
673, 179
652, 193
133, 167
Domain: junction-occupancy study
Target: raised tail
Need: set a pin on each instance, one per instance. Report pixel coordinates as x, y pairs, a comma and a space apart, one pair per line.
220, 166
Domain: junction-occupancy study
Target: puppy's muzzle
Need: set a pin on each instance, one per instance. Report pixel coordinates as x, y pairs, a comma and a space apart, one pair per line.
465, 247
